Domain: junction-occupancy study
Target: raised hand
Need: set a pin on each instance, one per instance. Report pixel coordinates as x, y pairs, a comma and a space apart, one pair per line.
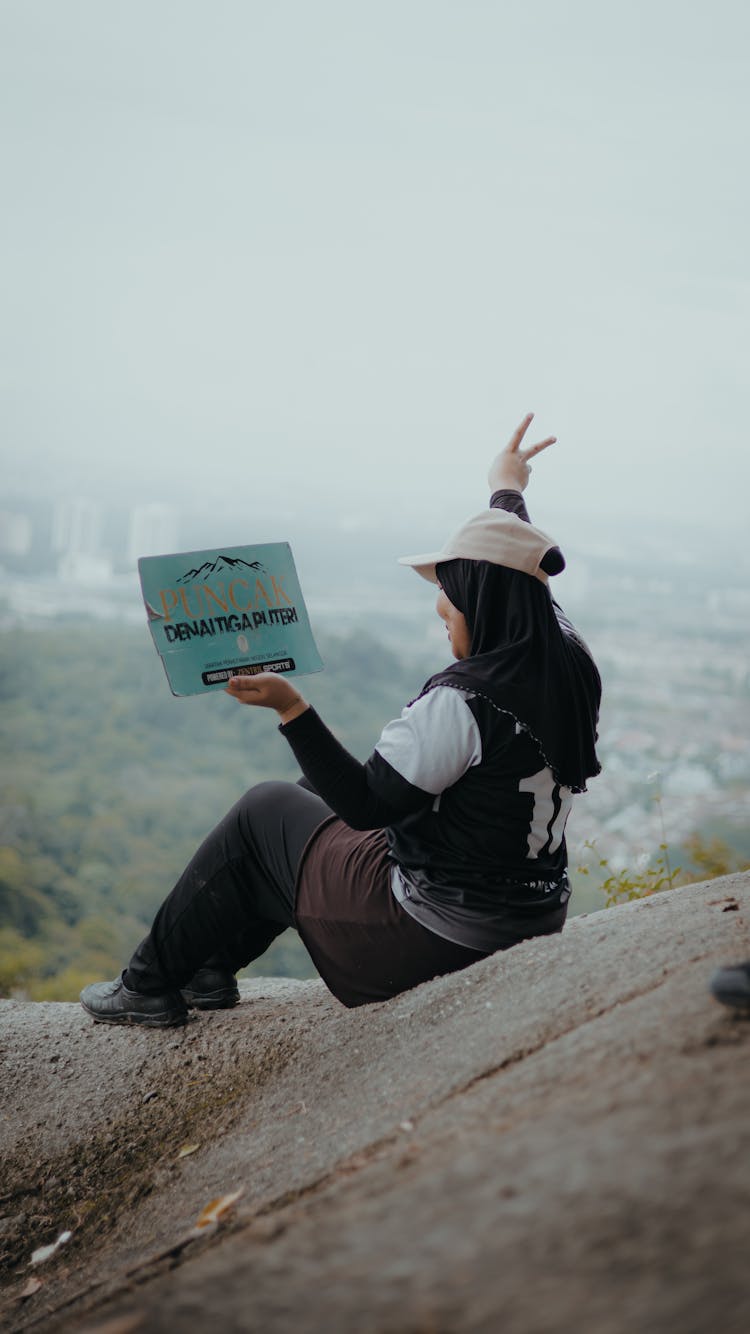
510, 469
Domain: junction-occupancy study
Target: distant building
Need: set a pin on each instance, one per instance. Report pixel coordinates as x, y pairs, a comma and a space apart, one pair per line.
76, 538
77, 527
15, 533
152, 531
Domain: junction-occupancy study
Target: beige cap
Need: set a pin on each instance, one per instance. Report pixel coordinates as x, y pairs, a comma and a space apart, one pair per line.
495, 536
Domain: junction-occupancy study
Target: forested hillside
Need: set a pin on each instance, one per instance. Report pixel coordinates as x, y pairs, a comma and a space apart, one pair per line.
108, 784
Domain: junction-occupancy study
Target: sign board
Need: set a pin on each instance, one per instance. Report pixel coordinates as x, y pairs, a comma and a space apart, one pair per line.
231, 611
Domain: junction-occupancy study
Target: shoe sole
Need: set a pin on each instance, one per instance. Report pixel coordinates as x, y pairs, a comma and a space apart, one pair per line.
211, 1000
733, 999
172, 1020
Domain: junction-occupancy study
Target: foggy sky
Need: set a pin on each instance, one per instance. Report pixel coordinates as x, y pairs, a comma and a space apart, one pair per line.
322, 255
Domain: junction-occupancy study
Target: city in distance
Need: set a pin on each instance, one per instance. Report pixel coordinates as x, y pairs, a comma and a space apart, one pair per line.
664, 608
665, 613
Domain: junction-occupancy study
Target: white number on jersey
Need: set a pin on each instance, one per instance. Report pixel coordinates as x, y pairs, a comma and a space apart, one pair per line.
549, 814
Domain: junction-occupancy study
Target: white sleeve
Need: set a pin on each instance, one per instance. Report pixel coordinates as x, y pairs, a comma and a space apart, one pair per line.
435, 740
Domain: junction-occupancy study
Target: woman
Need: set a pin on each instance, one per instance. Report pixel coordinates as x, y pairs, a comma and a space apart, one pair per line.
448, 844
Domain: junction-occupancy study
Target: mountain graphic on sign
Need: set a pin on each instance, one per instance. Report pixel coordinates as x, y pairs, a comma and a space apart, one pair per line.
218, 566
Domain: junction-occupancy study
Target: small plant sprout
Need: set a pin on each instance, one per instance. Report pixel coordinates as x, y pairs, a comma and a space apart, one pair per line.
647, 877
655, 777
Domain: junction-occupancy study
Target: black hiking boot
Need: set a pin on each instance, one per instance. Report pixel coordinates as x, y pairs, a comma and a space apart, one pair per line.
113, 1003
211, 989
731, 985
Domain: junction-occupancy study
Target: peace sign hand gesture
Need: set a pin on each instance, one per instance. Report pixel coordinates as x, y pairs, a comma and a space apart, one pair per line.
509, 470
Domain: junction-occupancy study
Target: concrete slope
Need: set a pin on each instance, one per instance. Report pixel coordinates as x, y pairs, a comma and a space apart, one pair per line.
555, 1139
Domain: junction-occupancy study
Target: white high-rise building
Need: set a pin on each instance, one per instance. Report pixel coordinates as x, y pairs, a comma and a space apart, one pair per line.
152, 530
77, 527
76, 537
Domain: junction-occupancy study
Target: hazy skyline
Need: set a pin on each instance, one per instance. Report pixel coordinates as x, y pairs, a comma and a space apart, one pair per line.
323, 256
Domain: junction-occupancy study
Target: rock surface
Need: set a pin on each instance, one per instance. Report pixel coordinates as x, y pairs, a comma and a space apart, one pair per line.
557, 1139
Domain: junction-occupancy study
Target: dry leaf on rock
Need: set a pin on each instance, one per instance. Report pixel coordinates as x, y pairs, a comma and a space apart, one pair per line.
187, 1149
217, 1209
32, 1286
43, 1253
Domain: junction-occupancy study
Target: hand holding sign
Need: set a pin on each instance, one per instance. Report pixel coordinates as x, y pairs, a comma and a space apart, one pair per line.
269, 691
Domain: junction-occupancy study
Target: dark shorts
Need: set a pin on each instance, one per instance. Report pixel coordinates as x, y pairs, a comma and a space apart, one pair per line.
363, 943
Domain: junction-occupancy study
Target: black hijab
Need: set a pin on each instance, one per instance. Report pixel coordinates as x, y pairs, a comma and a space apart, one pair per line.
526, 664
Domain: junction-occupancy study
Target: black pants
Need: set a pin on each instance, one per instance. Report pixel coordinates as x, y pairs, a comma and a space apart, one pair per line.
237, 893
